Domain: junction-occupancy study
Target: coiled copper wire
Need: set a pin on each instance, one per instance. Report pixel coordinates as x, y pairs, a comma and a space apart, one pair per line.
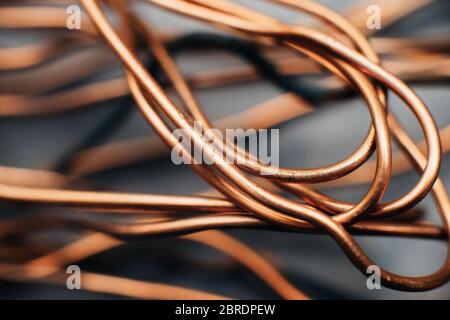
262, 207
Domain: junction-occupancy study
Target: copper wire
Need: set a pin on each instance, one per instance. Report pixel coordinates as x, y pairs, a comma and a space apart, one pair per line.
244, 201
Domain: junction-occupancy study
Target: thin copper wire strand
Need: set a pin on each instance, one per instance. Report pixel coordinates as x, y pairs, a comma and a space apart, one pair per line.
148, 227
401, 63
222, 242
17, 105
101, 283
359, 228
264, 115
356, 15
49, 264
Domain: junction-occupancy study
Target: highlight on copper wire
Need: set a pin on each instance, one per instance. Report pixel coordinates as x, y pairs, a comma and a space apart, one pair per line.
122, 65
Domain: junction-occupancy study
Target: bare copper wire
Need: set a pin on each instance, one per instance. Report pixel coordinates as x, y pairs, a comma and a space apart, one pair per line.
244, 201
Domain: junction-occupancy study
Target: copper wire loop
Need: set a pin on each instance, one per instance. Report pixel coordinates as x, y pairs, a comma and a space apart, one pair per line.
240, 196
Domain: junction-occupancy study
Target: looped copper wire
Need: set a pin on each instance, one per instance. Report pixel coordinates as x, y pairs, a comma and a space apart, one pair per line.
316, 218
356, 66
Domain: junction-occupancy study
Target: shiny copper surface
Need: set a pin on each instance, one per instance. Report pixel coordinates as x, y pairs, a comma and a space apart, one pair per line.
243, 198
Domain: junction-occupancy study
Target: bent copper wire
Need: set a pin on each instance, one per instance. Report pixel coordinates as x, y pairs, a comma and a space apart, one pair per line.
399, 164
18, 106
291, 293
389, 206
222, 242
119, 117
101, 283
390, 14
114, 151
399, 62
358, 228
360, 41
111, 155
84, 247
277, 281
144, 228
113, 90
179, 84
63, 108
146, 81
238, 189
440, 192
95, 243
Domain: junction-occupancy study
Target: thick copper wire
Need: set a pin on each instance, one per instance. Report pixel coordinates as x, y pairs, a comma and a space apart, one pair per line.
292, 209
355, 65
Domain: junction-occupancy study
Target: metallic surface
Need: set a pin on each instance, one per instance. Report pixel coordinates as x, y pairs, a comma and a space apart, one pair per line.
244, 198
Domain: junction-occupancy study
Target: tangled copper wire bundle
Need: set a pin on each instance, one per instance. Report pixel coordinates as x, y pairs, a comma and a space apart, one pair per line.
244, 197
